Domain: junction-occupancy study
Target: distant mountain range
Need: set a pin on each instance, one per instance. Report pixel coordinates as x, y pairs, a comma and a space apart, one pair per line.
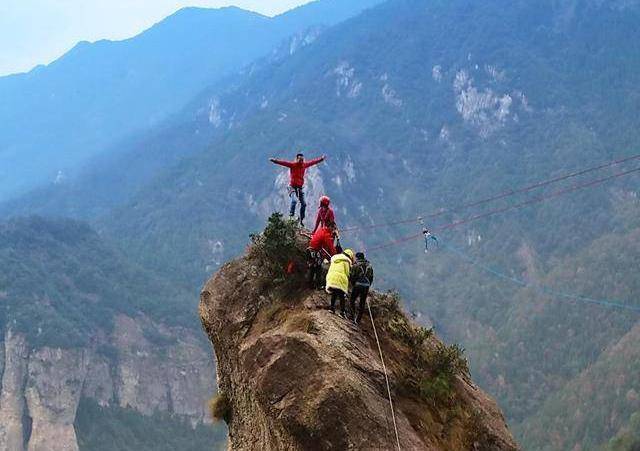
55, 117
421, 106
97, 352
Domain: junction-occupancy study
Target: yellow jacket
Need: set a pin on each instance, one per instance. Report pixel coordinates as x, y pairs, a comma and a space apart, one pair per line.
338, 275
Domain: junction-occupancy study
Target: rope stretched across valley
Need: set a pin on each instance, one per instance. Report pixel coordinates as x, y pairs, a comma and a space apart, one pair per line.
495, 197
540, 289
490, 213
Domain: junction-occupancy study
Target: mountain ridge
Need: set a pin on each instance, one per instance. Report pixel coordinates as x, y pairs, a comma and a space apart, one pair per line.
58, 115
450, 157
421, 107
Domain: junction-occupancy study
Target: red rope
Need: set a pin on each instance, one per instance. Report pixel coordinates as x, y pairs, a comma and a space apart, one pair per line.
499, 196
532, 201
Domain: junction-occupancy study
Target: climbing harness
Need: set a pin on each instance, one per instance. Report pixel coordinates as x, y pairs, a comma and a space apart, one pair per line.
386, 377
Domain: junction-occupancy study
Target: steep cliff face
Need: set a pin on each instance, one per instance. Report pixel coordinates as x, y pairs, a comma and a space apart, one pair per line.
54, 385
12, 403
170, 375
79, 326
298, 377
41, 388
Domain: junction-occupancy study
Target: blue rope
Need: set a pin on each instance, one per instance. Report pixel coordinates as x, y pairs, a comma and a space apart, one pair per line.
540, 289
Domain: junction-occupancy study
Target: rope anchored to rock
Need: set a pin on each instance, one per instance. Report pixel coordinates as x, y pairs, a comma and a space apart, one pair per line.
386, 376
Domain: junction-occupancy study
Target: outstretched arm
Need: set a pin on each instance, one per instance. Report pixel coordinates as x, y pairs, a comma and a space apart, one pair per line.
284, 163
313, 162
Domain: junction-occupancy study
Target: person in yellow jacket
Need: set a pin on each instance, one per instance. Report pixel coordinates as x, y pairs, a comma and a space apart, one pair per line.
337, 282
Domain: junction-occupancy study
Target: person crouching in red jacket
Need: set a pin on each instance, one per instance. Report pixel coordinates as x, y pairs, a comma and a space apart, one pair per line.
297, 171
321, 246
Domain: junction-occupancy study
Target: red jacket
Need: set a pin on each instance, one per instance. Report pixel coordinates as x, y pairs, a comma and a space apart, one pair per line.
323, 239
324, 215
297, 170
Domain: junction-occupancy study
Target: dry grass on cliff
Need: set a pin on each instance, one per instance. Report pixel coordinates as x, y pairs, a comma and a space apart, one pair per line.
428, 374
302, 323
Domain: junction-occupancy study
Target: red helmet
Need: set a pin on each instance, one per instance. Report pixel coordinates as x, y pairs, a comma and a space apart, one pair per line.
325, 201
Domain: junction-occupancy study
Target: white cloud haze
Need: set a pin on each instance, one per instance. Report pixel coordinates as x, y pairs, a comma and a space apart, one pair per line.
39, 31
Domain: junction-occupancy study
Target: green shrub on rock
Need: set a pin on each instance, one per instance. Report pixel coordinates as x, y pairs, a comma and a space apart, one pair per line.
277, 247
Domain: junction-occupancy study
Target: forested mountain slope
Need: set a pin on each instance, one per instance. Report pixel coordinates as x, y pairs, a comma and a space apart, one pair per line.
421, 107
428, 105
85, 334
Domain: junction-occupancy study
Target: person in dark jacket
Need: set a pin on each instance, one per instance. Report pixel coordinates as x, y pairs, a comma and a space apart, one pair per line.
297, 171
361, 278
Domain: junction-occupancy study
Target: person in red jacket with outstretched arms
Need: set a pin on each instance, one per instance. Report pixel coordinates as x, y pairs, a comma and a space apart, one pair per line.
297, 170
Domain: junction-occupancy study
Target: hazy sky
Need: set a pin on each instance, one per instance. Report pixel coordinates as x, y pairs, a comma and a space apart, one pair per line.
39, 31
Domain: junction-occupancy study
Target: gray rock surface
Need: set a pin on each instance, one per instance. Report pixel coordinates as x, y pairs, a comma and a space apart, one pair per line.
147, 367
98, 383
12, 402
55, 378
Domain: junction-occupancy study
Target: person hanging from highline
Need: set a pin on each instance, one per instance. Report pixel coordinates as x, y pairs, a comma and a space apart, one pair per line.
325, 213
361, 280
321, 247
297, 169
337, 281
428, 236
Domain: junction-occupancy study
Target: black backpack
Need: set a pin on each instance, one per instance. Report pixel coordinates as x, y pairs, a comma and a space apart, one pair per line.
364, 274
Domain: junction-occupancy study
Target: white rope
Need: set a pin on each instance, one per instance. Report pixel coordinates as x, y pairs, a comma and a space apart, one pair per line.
386, 377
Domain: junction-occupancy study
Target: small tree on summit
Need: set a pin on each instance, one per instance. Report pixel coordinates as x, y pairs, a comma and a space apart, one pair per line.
277, 246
